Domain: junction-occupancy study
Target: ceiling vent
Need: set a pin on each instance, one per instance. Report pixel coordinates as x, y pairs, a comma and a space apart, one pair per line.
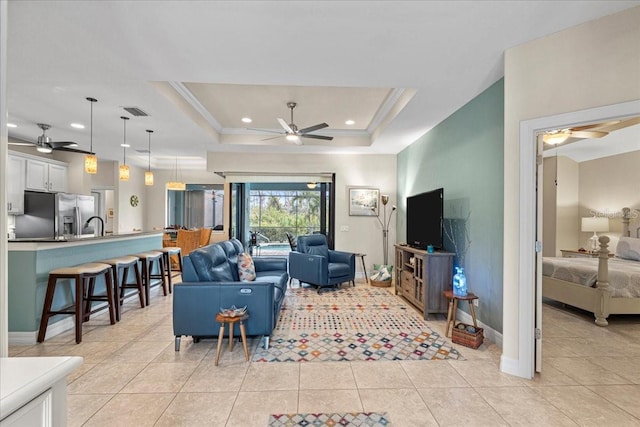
135, 111
143, 151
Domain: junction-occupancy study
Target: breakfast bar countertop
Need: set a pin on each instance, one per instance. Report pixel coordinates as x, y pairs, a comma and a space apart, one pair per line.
35, 244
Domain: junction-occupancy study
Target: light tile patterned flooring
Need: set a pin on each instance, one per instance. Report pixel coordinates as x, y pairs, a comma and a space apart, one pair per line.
131, 376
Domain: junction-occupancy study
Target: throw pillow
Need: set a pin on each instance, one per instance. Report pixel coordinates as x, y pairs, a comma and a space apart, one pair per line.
628, 248
246, 268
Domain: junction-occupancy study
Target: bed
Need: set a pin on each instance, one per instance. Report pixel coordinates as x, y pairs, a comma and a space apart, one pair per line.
601, 285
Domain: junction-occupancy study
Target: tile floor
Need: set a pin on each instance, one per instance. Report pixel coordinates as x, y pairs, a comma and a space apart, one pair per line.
132, 376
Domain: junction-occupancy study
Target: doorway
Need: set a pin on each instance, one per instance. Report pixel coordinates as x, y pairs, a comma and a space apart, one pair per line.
530, 298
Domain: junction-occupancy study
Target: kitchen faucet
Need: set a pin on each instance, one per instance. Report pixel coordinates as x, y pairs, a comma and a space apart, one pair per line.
101, 222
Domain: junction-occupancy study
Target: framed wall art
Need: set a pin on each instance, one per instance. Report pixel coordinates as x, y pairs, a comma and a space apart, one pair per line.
363, 201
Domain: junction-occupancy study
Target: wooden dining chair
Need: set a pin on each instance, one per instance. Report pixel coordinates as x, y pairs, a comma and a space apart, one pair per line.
205, 236
188, 240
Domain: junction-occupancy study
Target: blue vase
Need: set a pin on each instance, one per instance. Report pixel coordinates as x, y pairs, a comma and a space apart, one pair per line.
460, 283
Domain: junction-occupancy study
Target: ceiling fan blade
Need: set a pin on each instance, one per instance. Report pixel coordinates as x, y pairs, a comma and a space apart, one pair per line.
73, 150
266, 130
285, 125
60, 144
313, 128
23, 144
620, 124
596, 126
326, 138
273, 137
588, 134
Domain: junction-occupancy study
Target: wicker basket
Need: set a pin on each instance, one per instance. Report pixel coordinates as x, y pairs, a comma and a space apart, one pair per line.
467, 339
380, 283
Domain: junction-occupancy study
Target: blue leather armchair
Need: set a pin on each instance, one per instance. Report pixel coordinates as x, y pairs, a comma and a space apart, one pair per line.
314, 263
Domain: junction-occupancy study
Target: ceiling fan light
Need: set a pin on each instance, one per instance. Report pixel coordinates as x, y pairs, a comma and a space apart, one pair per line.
246, 120
311, 185
555, 138
124, 173
292, 138
44, 149
148, 178
91, 163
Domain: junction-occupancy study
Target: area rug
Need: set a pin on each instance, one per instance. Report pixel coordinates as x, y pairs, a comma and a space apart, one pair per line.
351, 324
321, 420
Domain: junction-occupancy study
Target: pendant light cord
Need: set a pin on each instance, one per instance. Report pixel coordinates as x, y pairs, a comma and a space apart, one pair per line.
149, 154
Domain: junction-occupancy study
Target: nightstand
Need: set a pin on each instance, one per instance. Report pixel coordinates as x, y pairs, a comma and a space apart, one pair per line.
566, 253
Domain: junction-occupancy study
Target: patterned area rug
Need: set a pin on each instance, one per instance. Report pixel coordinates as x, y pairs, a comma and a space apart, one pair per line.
330, 420
348, 324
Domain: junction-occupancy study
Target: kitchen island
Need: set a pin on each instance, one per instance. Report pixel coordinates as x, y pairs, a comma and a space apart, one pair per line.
29, 263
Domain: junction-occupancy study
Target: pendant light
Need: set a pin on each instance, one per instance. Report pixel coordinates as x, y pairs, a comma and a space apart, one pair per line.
124, 169
176, 185
148, 175
91, 160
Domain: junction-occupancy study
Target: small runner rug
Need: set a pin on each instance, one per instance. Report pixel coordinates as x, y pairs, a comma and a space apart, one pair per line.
349, 324
321, 420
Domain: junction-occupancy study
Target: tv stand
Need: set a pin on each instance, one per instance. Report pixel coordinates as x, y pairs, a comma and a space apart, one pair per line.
422, 281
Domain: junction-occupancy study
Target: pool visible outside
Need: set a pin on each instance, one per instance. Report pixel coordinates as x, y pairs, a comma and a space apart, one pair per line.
275, 248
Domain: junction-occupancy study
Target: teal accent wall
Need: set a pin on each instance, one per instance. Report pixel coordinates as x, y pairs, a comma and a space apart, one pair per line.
464, 155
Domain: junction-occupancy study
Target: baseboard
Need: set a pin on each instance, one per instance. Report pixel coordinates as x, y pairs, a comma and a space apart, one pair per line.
30, 338
512, 367
489, 333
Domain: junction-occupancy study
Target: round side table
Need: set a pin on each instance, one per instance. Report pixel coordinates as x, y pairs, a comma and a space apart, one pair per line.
453, 308
231, 321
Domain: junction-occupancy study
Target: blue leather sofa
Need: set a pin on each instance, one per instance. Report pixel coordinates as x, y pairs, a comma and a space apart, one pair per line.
210, 281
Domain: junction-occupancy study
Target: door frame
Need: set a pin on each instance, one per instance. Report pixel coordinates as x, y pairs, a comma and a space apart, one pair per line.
527, 298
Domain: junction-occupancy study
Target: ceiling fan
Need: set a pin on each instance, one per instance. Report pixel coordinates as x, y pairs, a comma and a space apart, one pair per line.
597, 130
45, 144
293, 134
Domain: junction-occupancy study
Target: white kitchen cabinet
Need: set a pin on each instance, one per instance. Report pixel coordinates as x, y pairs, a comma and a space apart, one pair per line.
44, 176
16, 173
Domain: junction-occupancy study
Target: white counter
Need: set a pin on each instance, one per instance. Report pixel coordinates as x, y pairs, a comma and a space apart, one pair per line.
33, 390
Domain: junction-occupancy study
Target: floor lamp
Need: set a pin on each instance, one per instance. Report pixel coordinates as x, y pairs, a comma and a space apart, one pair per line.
384, 222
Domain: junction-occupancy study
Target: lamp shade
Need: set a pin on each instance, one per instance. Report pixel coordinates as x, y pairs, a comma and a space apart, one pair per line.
91, 163
148, 178
124, 173
595, 224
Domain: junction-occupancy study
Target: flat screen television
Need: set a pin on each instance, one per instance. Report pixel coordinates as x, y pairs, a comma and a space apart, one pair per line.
425, 219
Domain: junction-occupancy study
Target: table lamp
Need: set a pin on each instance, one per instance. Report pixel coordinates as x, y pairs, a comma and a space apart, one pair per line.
595, 224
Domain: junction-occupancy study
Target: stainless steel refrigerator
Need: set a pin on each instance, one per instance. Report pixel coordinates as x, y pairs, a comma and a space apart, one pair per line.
55, 215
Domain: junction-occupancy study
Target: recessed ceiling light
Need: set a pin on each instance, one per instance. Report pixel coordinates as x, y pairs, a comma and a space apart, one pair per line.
246, 120
11, 125
349, 122
77, 125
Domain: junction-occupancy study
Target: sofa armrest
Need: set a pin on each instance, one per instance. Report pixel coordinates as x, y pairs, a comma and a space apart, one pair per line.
309, 268
195, 306
188, 271
270, 263
342, 257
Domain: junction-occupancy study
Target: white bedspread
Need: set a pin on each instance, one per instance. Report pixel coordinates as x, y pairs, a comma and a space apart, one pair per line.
624, 275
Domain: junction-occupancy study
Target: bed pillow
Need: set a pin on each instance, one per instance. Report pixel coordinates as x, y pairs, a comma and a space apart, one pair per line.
628, 248
246, 268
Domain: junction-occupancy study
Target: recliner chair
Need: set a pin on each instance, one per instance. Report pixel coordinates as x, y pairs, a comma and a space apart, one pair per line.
314, 263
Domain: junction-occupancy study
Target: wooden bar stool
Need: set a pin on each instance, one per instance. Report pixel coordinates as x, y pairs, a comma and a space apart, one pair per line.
148, 260
124, 264
167, 253
84, 277
231, 321
453, 309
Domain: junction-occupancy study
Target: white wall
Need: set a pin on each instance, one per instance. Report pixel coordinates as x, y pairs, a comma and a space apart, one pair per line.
606, 186
567, 206
591, 65
378, 171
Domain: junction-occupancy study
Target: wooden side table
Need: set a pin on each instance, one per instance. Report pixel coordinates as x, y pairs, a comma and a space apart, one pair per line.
453, 308
364, 267
231, 321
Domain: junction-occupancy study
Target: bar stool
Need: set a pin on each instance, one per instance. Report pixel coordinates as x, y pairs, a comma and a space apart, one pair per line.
84, 277
124, 264
147, 259
167, 253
